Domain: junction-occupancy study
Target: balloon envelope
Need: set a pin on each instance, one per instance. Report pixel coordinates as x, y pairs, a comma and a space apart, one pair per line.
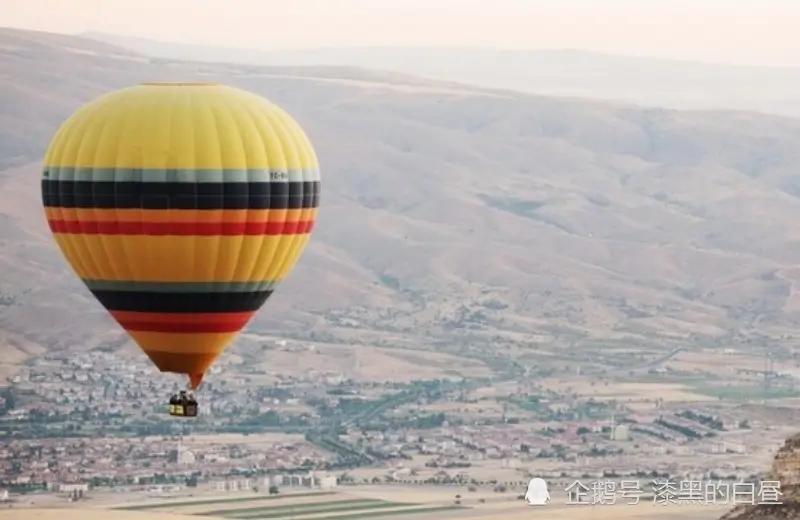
181, 207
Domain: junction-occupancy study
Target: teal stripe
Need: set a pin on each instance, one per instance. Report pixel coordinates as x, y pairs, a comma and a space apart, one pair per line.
181, 287
188, 175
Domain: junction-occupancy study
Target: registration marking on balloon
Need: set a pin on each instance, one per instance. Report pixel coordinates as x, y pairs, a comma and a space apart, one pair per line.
181, 207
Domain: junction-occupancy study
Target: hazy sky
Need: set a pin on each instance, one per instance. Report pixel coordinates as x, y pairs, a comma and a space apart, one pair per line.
738, 31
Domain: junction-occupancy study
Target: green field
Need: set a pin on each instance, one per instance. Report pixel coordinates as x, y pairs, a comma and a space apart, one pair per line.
349, 509
432, 509
744, 393
251, 513
239, 500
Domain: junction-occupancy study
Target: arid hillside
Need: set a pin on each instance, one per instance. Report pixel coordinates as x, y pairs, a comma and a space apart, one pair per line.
452, 214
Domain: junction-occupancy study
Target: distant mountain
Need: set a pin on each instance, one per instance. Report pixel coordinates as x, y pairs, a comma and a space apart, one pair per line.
454, 217
642, 80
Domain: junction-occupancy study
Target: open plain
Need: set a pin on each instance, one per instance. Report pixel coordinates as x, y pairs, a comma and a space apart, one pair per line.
365, 504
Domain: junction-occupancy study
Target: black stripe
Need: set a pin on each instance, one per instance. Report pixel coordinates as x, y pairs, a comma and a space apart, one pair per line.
180, 195
181, 302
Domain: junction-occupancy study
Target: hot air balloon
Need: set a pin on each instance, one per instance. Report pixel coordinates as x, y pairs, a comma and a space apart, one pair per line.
181, 206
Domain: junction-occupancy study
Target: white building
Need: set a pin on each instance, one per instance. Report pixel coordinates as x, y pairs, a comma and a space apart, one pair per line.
231, 485
73, 488
620, 433
75, 491
327, 482
218, 485
183, 455
186, 457
401, 473
272, 480
735, 447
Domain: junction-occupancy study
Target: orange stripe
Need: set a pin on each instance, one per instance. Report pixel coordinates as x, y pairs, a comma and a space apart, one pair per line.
180, 215
182, 363
202, 343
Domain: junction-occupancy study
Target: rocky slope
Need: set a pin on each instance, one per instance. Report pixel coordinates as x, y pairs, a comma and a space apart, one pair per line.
786, 470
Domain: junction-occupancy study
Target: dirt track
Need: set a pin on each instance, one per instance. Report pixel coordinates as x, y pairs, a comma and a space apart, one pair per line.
87, 514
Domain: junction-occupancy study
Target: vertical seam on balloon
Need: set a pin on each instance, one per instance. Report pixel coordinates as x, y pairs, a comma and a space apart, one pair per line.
172, 115
291, 147
262, 137
190, 120
166, 160
144, 115
311, 175
79, 243
234, 121
273, 133
294, 246
58, 212
243, 117
61, 241
103, 240
54, 160
279, 252
135, 168
96, 131
211, 106
71, 249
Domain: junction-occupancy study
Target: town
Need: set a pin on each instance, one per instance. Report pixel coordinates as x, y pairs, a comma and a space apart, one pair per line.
96, 419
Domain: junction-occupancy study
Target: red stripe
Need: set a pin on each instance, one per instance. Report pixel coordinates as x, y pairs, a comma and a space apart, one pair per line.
200, 327
183, 323
94, 227
181, 328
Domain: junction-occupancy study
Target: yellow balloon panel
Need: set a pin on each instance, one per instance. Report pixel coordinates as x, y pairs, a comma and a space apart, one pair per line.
181, 206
